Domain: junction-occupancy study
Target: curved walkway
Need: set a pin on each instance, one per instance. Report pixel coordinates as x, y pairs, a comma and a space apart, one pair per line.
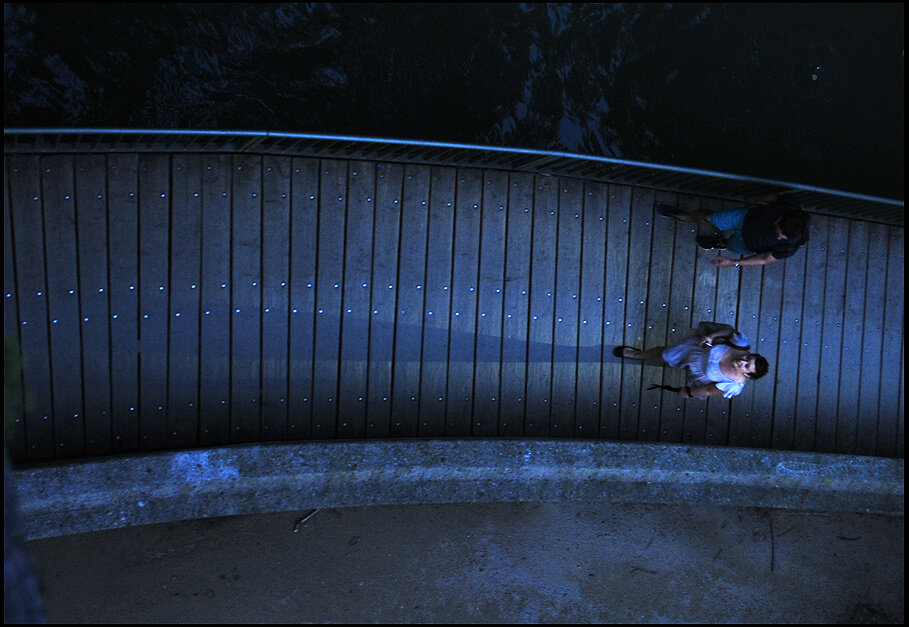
115, 492
207, 300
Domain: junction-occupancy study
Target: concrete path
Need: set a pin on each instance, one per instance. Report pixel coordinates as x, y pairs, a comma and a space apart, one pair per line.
512, 563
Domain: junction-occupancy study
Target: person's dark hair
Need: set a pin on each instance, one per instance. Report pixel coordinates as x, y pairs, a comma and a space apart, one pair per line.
794, 223
761, 367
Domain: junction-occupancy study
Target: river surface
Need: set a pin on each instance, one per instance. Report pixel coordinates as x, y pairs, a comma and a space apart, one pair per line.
804, 93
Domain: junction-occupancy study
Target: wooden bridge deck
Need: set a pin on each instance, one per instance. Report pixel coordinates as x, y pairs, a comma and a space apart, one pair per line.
169, 301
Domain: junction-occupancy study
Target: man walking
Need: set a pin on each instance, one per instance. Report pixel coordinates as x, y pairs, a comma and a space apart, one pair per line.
761, 234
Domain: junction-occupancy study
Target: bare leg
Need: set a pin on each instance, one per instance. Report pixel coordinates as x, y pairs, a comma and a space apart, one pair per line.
695, 217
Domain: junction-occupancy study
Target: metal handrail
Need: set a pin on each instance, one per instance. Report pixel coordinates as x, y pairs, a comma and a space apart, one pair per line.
666, 178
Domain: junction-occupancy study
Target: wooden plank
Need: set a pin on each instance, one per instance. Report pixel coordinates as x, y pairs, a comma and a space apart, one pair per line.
767, 343
487, 373
304, 229
901, 423
276, 230
743, 430
246, 299
389, 188
703, 307
58, 193
437, 295
682, 257
890, 423
811, 336
871, 336
330, 277
515, 304
154, 253
832, 335
123, 275
409, 310
468, 214
590, 330
719, 410
185, 277
639, 263
92, 246
14, 401
215, 285
657, 320
25, 197
358, 251
788, 359
614, 307
853, 319
567, 290
542, 307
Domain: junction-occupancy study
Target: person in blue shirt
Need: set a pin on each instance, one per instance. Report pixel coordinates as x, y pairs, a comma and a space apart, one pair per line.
760, 234
717, 357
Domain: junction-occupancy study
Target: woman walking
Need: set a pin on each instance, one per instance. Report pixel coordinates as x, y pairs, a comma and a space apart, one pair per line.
717, 357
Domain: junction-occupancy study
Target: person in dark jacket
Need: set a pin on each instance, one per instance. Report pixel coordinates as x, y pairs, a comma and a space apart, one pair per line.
760, 234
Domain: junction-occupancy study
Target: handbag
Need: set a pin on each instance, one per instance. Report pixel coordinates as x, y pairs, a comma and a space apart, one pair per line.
706, 328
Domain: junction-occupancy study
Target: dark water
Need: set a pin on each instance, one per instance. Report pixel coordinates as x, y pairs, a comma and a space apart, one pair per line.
805, 93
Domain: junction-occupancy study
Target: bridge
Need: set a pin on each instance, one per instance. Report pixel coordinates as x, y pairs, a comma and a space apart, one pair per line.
196, 296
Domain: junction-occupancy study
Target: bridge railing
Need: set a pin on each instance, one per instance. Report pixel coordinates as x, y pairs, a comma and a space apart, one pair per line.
604, 169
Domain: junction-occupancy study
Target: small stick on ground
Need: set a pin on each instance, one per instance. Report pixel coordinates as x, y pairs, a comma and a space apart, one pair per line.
304, 519
772, 544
